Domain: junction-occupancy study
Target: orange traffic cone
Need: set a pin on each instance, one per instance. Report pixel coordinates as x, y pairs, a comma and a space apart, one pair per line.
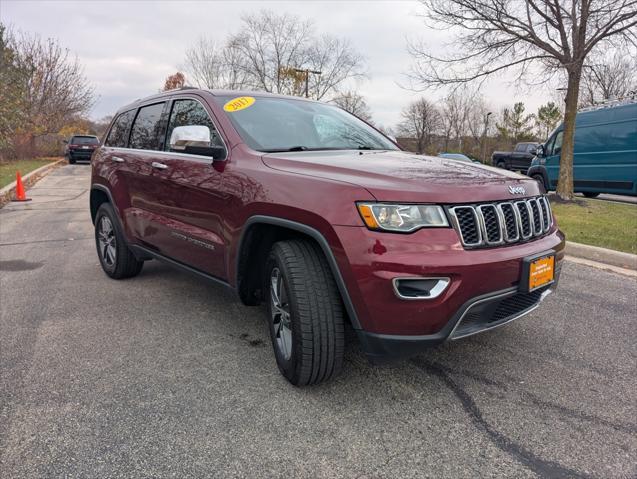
20, 195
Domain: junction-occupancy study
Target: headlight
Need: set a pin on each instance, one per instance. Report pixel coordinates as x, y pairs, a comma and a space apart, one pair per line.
402, 218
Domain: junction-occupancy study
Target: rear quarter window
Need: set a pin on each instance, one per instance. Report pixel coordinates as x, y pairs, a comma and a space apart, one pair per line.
147, 128
118, 136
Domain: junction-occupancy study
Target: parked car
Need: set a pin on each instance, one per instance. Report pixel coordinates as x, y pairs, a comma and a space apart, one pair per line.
517, 160
304, 207
80, 147
456, 156
605, 152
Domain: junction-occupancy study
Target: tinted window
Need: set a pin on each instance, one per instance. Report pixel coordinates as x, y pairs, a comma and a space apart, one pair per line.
147, 128
279, 124
118, 136
84, 140
520, 147
187, 113
530, 148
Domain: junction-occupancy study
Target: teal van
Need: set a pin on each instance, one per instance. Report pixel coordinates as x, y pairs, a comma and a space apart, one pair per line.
605, 156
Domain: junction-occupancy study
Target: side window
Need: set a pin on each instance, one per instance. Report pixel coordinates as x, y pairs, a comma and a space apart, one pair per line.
520, 147
118, 136
187, 113
557, 144
530, 148
146, 133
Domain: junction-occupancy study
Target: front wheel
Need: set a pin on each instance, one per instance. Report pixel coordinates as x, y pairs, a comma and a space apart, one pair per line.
540, 181
305, 313
591, 194
116, 258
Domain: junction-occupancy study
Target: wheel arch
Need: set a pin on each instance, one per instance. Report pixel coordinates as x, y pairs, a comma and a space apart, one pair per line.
257, 237
99, 194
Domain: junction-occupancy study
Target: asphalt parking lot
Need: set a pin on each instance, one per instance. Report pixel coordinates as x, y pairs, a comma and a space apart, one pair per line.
167, 376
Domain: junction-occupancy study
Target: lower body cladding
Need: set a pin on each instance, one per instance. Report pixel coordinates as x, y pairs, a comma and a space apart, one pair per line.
457, 293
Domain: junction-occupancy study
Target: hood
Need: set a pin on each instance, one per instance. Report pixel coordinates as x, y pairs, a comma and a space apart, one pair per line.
402, 176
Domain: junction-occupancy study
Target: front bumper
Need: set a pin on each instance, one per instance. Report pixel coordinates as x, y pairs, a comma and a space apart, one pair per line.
481, 314
480, 280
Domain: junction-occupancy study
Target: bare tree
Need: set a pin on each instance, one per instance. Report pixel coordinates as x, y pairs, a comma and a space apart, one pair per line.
354, 103
609, 77
336, 60
211, 66
478, 125
455, 112
272, 52
55, 89
176, 80
555, 35
421, 120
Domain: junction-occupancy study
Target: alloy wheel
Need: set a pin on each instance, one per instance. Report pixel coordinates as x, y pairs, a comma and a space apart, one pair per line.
280, 308
106, 240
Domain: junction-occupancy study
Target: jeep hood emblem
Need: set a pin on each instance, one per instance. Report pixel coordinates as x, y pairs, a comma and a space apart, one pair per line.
517, 190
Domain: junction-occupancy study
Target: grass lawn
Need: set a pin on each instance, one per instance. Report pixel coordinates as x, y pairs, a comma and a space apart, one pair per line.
7, 170
598, 223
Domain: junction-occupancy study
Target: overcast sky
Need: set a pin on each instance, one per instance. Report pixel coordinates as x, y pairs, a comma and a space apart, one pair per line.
128, 48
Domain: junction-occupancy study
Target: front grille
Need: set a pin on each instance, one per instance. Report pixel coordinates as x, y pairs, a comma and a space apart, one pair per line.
489, 314
492, 224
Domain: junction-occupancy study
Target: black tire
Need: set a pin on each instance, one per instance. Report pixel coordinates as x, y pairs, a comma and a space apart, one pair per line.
116, 258
501, 164
590, 194
71, 161
315, 313
540, 179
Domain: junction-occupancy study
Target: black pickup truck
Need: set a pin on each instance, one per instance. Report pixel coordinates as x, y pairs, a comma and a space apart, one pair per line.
517, 160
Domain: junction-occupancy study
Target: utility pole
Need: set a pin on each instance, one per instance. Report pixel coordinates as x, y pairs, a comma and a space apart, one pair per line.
307, 78
484, 137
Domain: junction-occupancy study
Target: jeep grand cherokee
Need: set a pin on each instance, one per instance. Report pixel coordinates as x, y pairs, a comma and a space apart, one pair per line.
308, 209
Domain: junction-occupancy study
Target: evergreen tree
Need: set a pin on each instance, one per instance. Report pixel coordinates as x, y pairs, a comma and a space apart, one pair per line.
515, 126
548, 116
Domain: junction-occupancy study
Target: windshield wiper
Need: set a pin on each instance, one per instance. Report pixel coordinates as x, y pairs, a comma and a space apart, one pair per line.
292, 148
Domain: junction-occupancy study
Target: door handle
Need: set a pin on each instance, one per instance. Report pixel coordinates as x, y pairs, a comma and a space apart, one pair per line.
159, 166
117, 159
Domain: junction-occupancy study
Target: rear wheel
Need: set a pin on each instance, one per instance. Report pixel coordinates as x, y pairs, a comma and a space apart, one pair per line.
501, 164
305, 313
591, 194
116, 258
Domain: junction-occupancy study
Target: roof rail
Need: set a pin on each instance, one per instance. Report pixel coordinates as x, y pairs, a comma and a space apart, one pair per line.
628, 100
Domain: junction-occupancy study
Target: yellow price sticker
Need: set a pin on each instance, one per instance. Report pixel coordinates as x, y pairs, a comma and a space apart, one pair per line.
239, 103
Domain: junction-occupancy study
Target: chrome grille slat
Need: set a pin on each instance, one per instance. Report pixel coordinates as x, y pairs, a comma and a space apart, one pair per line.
497, 223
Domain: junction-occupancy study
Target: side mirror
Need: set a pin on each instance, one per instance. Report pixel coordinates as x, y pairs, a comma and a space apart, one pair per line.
539, 151
195, 140
65, 141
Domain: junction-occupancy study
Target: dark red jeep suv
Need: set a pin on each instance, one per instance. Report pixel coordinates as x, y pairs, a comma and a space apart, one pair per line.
308, 209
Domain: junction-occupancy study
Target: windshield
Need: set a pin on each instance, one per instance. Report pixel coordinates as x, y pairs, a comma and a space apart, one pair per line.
84, 140
283, 124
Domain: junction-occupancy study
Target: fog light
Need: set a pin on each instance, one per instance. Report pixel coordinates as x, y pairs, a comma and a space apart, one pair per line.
420, 288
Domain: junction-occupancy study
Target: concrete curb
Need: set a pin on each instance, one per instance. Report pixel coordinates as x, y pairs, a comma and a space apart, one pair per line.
602, 255
28, 180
